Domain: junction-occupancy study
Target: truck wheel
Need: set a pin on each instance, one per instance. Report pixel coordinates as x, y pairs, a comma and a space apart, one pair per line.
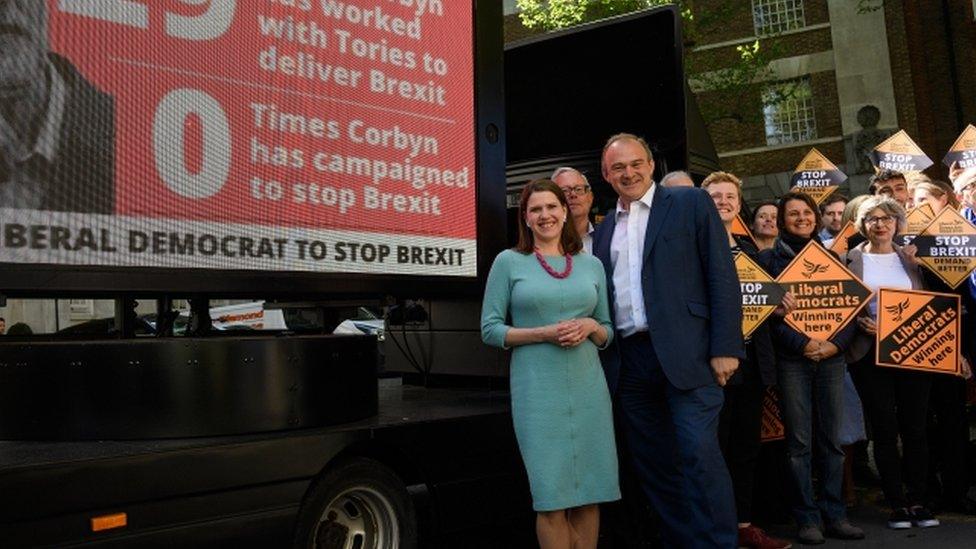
359, 504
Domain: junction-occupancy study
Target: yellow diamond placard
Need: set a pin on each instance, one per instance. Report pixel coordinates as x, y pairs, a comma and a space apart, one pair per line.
918, 330
828, 295
899, 153
760, 293
839, 245
816, 176
947, 247
963, 150
916, 219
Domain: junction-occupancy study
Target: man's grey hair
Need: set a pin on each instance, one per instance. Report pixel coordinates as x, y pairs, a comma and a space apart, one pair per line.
675, 174
568, 169
890, 206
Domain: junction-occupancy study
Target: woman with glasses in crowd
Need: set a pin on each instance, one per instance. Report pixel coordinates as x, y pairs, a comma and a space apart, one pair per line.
895, 400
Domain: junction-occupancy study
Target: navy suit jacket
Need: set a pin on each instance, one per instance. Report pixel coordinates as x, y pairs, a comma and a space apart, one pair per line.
691, 290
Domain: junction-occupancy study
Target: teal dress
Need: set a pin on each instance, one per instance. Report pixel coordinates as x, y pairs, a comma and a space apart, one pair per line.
560, 403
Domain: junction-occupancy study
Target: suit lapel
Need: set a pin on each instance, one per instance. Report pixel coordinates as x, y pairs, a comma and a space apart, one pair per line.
660, 205
601, 244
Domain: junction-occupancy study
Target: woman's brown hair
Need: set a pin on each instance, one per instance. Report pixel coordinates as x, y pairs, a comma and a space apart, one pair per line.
569, 239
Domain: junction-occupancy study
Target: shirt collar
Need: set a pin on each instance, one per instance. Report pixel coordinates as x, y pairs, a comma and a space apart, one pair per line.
47, 139
46, 144
646, 199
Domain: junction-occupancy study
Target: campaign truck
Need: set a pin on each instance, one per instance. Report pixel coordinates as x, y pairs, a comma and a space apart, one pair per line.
307, 159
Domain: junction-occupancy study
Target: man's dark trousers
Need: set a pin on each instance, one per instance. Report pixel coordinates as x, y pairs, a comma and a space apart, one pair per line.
666, 426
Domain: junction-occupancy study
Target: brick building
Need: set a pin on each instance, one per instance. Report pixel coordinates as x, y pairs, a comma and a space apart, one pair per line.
913, 61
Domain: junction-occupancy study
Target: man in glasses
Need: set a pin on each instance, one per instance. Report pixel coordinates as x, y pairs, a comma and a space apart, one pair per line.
580, 199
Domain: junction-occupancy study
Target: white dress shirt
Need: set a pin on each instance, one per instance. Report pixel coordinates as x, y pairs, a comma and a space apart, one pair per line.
626, 256
588, 239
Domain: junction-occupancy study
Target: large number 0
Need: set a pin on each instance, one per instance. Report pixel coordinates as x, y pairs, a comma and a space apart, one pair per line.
168, 138
209, 25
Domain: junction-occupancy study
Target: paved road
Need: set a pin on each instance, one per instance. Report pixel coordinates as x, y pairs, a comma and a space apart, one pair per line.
956, 531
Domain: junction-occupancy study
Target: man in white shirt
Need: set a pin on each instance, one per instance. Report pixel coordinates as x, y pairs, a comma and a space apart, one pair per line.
579, 196
678, 338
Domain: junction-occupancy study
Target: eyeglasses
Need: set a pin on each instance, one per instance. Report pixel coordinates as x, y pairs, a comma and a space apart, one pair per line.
577, 190
885, 219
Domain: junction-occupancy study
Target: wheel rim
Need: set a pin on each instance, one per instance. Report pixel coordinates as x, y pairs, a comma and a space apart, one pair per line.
358, 518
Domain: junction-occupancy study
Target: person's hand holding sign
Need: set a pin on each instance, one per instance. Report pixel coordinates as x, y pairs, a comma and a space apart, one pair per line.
867, 324
965, 370
910, 250
787, 306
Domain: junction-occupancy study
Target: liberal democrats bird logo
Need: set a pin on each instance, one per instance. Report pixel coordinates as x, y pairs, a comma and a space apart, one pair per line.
810, 268
897, 310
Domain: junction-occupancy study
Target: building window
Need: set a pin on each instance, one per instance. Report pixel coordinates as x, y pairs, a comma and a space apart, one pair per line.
776, 16
788, 112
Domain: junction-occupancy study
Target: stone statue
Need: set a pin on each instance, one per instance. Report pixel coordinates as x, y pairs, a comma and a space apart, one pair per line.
866, 139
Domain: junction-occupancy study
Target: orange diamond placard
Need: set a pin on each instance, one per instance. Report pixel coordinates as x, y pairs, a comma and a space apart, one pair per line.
916, 219
739, 228
828, 295
839, 245
963, 150
899, 153
947, 247
918, 330
760, 293
816, 176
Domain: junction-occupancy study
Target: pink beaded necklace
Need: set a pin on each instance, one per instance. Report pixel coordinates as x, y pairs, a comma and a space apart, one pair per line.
552, 272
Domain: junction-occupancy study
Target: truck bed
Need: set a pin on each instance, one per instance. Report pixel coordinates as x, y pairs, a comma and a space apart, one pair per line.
445, 444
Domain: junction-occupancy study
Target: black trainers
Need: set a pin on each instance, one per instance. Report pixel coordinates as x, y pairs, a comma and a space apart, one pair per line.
900, 519
922, 517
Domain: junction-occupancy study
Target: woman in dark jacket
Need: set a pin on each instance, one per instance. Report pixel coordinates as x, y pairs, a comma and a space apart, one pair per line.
896, 401
810, 373
740, 422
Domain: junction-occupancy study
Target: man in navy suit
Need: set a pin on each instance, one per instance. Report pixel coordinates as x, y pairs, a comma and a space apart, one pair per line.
677, 313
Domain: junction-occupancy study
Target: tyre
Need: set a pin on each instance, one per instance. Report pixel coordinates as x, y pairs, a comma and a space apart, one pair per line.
358, 504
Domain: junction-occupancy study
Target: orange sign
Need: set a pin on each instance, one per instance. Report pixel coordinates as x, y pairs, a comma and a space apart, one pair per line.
947, 247
772, 423
760, 293
839, 245
916, 219
827, 294
817, 176
899, 153
739, 228
918, 330
963, 150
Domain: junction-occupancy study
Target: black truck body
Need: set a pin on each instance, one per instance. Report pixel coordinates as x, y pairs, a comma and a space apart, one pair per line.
304, 439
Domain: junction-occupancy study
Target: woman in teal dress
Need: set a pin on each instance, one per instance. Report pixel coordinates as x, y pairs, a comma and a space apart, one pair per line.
556, 298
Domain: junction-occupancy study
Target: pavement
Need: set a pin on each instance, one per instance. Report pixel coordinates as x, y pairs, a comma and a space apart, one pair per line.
956, 531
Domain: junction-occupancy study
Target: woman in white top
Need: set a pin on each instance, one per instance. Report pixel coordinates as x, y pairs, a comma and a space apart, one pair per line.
895, 401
